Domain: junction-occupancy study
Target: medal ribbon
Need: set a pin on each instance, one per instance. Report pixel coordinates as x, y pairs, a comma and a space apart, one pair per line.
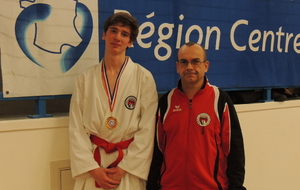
112, 96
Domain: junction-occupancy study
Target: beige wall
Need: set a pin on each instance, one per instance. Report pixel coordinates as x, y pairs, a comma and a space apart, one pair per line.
27, 148
271, 134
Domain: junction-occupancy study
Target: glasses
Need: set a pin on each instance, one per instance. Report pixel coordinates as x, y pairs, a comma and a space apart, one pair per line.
194, 62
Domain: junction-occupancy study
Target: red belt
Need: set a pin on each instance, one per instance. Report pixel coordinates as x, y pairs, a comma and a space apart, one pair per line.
109, 148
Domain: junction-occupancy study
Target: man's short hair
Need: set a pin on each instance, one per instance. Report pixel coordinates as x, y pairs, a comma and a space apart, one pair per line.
124, 19
189, 44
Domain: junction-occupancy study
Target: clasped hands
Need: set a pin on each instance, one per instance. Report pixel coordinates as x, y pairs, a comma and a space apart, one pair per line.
108, 178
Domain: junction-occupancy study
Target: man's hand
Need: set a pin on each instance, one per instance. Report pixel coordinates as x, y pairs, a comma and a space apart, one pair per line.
118, 174
102, 177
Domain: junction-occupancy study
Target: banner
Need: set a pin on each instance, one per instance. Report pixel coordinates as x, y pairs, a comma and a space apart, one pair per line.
250, 43
45, 44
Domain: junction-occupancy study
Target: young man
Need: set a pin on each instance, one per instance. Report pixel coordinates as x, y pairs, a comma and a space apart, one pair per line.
112, 115
199, 139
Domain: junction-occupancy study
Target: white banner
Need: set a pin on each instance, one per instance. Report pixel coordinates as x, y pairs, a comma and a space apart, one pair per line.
45, 44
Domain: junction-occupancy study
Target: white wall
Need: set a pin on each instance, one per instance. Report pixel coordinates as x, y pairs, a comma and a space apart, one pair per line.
27, 147
271, 134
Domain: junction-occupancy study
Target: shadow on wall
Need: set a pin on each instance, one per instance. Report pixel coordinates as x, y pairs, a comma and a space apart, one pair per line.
255, 96
28, 107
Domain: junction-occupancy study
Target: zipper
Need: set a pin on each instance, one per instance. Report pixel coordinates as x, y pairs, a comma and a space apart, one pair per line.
188, 144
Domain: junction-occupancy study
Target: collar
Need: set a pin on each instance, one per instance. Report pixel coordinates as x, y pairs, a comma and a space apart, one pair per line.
179, 85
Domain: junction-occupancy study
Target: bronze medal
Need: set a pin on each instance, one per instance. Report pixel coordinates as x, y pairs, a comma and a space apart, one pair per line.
111, 123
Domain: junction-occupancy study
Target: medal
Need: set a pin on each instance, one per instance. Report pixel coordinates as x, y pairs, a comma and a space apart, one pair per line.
111, 122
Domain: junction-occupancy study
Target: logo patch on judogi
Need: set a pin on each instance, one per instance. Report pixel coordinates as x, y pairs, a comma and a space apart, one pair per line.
130, 102
203, 119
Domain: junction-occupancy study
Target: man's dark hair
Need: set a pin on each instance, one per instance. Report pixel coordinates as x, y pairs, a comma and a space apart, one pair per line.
124, 19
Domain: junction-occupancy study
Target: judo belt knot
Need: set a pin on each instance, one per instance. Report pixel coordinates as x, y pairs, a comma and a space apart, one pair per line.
109, 148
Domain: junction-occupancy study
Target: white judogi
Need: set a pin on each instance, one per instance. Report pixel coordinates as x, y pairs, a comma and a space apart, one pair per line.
88, 113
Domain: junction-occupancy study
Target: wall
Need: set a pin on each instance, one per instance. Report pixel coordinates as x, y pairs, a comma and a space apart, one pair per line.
28, 146
271, 134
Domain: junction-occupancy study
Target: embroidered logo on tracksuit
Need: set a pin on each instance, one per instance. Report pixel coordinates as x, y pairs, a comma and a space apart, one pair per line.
177, 108
203, 119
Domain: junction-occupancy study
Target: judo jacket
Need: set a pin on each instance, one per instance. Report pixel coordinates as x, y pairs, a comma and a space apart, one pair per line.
134, 109
199, 142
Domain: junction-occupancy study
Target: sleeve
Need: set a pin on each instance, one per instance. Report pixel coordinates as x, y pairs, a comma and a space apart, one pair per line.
81, 149
157, 160
139, 153
236, 157
154, 174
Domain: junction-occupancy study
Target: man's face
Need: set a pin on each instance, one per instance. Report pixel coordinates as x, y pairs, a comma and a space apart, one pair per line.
117, 39
191, 65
